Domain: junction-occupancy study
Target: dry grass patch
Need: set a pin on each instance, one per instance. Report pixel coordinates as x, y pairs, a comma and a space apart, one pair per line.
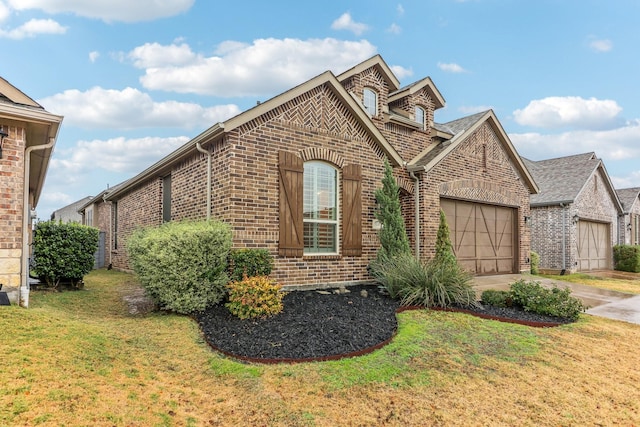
77, 358
629, 284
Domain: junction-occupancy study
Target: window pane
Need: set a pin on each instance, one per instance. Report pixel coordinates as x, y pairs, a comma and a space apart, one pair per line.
420, 115
319, 191
319, 237
370, 102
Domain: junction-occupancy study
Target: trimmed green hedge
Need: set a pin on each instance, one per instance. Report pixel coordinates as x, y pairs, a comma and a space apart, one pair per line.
627, 258
63, 252
249, 263
182, 265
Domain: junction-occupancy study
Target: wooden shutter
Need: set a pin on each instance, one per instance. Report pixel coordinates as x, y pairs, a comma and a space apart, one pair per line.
352, 210
291, 170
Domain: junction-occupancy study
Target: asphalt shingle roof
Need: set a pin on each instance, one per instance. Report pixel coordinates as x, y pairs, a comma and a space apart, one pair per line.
561, 179
628, 196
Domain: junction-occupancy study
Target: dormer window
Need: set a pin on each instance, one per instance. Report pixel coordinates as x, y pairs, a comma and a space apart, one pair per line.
370, 101
419, 115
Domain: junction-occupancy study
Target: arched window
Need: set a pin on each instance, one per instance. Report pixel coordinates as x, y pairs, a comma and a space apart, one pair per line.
370, 101
320, 208
420, 116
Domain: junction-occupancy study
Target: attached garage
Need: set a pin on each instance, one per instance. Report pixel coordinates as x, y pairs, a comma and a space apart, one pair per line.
594, 245
483, 236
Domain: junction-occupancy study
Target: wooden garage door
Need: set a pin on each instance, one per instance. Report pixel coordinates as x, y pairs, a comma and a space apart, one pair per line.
594, 245
483, 236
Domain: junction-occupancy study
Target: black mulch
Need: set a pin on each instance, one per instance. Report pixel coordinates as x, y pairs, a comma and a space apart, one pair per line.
323, 325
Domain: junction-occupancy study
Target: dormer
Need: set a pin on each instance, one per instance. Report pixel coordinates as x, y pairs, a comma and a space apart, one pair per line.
417, 102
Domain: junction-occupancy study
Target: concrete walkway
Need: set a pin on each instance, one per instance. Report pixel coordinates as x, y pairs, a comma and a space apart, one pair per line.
602, 302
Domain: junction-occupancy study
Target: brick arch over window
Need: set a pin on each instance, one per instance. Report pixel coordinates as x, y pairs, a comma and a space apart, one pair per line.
480, 191
317, 153
405, 184
291, 234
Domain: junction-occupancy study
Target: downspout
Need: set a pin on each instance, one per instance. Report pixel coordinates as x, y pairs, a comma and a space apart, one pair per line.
564, 239
23, 291
416, 196
209, 155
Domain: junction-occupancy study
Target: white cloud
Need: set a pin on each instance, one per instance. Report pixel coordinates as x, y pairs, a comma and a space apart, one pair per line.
573, 111
401, 72
345, 22
613, 144
153, 55
130, 108
119, 155
33, 28
4, 12
451, 67
57, 198
394, 29
631, 180
400, 10
94, 55
263, 68
600, 45
108, 10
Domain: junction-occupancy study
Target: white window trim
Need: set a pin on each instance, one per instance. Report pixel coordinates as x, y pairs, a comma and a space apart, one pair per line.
364, 101
336, 222
423, 123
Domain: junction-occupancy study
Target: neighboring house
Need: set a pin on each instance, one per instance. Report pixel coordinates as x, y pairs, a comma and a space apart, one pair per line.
630, 221
297, 175
574, 218
25, 128
70, 212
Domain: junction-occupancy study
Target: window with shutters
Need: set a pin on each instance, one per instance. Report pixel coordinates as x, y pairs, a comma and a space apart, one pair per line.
320, 208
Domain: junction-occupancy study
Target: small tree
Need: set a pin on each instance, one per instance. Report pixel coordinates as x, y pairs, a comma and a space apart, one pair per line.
444, 249
393, 236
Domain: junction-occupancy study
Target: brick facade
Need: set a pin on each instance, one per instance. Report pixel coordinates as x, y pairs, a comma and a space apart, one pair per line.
11, 206
322, 124
552, 224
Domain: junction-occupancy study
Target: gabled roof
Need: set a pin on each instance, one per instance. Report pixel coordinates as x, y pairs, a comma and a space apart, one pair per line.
414, 87
628, 197
377, 62
41, 128
461, 129
562, 179
218, 130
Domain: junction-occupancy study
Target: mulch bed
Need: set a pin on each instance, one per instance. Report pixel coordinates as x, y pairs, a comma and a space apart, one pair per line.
325, 325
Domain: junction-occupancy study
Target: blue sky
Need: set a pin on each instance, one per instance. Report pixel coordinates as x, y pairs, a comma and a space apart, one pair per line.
135, 79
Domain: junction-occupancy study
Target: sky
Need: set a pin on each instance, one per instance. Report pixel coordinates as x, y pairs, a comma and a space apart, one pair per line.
136, 79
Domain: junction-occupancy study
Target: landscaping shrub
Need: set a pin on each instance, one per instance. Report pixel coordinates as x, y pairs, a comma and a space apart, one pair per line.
182, 265
626, 258
392, 235
531, 296
430, 284
497, 298
249, 262
63, 252
444, 249
256, 296
535, 263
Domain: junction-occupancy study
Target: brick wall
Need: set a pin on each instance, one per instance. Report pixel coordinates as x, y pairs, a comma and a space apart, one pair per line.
11, 207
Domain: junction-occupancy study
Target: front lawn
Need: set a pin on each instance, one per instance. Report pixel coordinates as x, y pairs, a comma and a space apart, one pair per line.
78, 358
628, 282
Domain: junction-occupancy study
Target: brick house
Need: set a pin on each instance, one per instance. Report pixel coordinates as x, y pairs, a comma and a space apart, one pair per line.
25, 128
574, 218
297, 175
629, 228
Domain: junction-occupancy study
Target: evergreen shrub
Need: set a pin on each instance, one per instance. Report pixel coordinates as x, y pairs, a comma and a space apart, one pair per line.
182, 265
63, 252
627, 258
249, 262
257, 296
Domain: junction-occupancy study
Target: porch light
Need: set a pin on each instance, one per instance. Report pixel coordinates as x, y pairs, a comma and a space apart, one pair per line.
3, 134
629, 226
575, 218
527, 219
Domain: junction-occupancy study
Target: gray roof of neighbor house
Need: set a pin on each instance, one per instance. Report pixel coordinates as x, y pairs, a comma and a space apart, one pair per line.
628, 196
562, 179
70, 213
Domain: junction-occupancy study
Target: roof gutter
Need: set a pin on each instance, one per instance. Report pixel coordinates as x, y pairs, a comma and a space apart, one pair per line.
23, 291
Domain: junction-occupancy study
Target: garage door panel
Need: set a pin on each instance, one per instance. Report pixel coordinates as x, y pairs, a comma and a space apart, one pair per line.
483, 236
594, 245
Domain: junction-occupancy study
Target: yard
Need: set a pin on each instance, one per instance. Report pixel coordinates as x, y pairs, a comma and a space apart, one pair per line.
78, 358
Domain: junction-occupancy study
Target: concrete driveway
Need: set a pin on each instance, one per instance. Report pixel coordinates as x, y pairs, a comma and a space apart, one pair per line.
602, 302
